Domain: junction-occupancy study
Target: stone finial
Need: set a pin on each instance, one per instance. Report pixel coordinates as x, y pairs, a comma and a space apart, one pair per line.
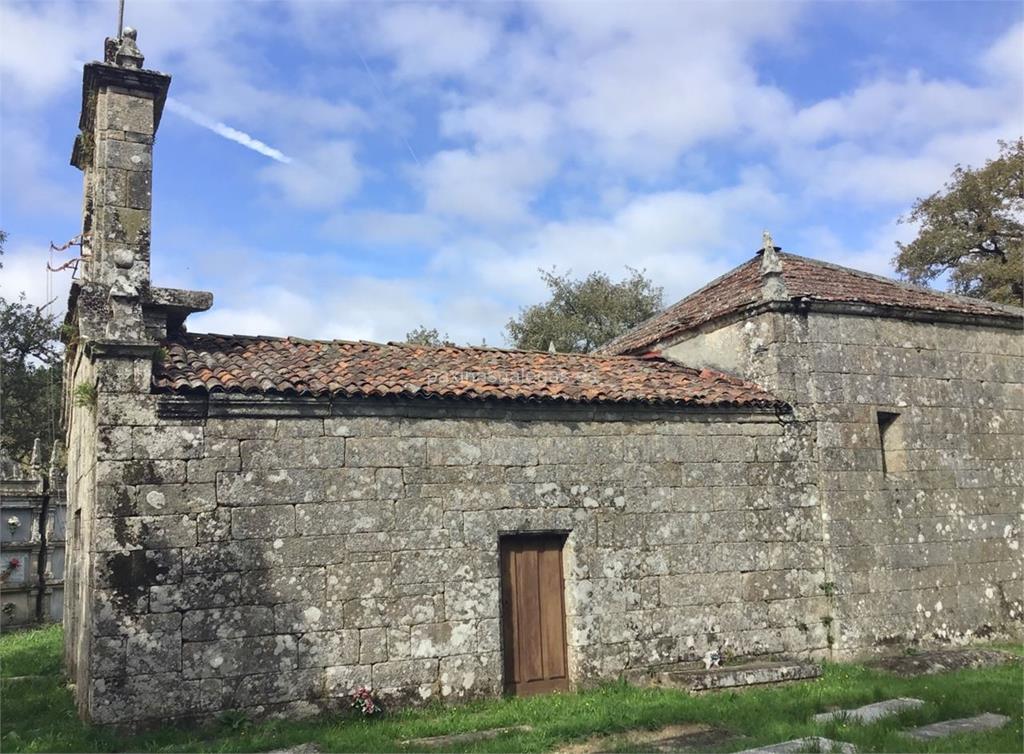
56, 463
37, 455
773, 287
127, 54
551, 347
10, 470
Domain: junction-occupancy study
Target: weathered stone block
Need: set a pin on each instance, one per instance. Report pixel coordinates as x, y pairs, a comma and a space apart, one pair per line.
265, 522
116, 500
773, 585
305, 427
282, 585
196, 591
125, 409
114, 443
342, 518
144, 533
234, 657
153, 652
385, 451
306, 551
227, 623
477, 674
214, 526
373, 645
270, 487
300, 617
140, 472
122, 700
402, 674
700, 589
139, 189
168, 499
407, 610
237, 428
320, 649
344, 679
107, 656
443, 639
272, 688
347, 582
293, 453
467, 600
206, 469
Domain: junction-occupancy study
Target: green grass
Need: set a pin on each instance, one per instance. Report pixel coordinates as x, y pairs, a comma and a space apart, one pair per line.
38, 714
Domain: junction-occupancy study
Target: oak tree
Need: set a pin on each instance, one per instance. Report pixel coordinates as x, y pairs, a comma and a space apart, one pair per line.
30, 374
581, 315
973, 230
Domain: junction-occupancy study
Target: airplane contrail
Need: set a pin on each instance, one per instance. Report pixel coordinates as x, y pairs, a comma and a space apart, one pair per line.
222, 129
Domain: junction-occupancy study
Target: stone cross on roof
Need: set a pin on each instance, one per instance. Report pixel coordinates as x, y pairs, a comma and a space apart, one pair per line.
773, 287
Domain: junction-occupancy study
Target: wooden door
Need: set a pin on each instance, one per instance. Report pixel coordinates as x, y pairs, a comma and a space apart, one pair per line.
533, 614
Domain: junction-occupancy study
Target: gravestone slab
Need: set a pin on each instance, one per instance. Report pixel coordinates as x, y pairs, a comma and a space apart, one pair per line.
870, 713
976, 724
457, 739
942, 661
810, 743
724, 677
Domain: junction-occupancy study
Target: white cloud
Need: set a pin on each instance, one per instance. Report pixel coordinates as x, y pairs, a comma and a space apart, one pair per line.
39, 44
497, 123
321, 178
1005, 58
897, 110
384, 227
681, 238
488, 186
431, 40
24, 271
28, 172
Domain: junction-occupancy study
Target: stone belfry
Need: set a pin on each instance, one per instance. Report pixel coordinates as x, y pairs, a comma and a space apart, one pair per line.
121, 107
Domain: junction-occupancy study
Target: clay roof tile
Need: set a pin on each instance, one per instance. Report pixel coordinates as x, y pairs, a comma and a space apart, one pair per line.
286, 366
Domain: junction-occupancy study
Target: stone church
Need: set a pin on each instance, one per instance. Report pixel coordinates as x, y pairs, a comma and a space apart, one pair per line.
797, 461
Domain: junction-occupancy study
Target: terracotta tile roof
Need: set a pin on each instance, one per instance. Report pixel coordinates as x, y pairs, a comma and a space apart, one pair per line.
804, 278
289, 366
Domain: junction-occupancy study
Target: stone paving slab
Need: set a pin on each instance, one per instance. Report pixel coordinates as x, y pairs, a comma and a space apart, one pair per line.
870, 713
811, 743
977, 724
455, 739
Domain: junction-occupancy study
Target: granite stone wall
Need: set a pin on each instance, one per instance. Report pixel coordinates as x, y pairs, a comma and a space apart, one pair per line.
274, 565
927, 550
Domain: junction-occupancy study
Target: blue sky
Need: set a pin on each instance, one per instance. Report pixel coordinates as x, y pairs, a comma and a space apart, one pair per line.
439, 154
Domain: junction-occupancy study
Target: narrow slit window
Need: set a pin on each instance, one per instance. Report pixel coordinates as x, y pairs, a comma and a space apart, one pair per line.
894, 451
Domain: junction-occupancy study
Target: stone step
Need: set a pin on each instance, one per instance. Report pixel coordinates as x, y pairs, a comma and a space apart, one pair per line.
976, 724
728, 676
810, 743
869, 713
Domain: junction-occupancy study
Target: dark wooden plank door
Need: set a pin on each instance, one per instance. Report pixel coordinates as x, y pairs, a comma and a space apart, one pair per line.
533, 614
